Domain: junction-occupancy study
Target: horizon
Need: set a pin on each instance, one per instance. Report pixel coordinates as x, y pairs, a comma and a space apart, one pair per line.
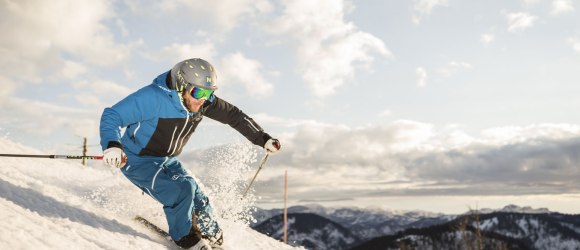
423, 104
387, 209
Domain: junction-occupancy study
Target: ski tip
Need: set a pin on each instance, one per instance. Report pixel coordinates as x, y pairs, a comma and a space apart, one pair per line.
152, 226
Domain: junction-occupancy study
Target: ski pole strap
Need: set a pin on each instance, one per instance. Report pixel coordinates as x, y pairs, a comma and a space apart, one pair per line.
69, 157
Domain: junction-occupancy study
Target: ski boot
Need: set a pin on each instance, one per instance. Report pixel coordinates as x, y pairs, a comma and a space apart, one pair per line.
193, 240
216, 241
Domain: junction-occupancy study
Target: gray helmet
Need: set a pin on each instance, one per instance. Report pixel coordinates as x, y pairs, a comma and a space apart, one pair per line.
193, 72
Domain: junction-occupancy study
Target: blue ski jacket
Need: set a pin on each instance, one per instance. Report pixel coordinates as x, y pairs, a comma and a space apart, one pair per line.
158, 124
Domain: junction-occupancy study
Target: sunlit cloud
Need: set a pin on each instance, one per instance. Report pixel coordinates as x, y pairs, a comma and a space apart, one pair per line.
56, 118
236, 68
421, 77
385, 113
413, 158
425, 7
561, 7
102, 87
72, 70
532, 157
330, 50
41, 37
519, 21
8, 88
575, 44
452, 67
530, 2
178, 52
224, 15
487, 38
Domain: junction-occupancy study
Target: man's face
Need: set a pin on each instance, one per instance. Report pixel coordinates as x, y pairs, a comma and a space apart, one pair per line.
191, 103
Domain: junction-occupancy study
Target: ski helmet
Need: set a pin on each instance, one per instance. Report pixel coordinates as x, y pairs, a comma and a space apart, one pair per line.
191, 73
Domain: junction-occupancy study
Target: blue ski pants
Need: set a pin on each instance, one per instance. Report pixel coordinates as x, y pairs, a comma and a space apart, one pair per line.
164, 179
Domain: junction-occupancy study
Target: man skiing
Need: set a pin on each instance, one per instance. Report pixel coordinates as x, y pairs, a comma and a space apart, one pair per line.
158, 121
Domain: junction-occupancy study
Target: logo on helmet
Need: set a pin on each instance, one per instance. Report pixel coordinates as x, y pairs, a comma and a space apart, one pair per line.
208, 81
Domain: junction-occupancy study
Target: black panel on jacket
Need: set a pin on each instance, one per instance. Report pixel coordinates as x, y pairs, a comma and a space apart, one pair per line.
170, 136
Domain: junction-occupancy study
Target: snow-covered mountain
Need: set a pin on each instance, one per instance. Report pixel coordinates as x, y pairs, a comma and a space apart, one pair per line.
61, 204
365, 223
540, 231
515, 209
310, 231
510, 227
496, 230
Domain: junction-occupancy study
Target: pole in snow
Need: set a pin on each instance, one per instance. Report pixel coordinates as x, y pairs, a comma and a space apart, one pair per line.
286, 207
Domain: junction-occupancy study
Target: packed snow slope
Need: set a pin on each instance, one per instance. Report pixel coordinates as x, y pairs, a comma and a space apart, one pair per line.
61, 204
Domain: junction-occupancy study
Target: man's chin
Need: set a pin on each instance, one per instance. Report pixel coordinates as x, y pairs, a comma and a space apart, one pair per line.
194, 107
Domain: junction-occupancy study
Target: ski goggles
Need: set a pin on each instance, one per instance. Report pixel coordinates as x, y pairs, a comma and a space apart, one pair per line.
199, 93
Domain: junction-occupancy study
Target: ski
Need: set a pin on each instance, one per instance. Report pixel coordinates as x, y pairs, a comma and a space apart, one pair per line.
152, 226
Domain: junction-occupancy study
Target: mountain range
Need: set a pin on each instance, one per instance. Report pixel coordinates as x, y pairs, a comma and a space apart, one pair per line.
511, 227
364, 223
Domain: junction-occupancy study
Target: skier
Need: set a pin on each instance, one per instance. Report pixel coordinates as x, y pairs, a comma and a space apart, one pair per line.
159, 119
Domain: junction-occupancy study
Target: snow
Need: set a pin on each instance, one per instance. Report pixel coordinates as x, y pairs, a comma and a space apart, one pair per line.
556, 242
523, 224
515, 209
487, 225
61, 204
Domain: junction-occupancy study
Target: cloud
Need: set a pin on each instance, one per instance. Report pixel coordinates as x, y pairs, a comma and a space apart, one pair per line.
575, 44
91, 93
103, 87
519, 21
37, 28
56, 120
385, 113
223, 14
421, 77
238, 69
531, 2
424, 8
487, 38
178, 52
57, 39
72, 70
561, 7
89, 99
452, 67
8, 88
413, 158
547, 163
330, 50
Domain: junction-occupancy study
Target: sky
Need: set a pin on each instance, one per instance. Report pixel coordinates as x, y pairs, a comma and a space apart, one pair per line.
436, 105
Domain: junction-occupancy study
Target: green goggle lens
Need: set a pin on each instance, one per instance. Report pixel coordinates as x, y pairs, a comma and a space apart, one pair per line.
199, 93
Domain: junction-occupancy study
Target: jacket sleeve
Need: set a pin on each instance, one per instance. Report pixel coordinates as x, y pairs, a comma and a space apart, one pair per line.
227, 113
134, 108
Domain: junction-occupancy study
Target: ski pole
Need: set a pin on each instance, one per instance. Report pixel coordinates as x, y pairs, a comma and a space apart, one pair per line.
68, 157
253, 179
